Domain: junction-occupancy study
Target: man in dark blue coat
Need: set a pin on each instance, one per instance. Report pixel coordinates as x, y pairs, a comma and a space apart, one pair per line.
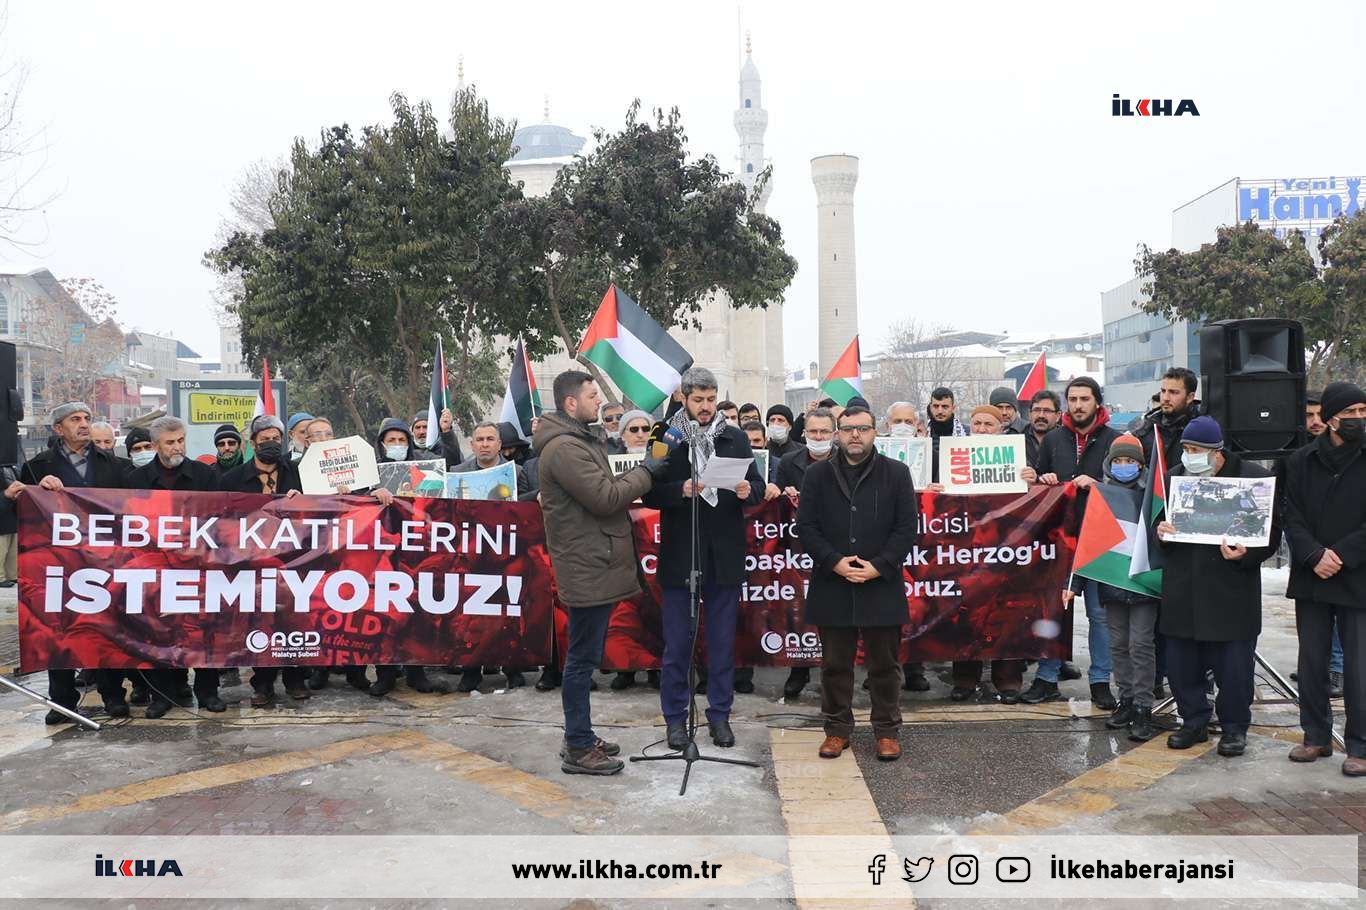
720, 556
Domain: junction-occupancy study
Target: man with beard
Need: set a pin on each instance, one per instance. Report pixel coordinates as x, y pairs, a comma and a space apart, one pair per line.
298, 435
1076, 451
1314, 425
1325, 488
228, 442
74, 462
588, 535
446, 446
720, 555
635, 432
1045, 408
943, 422
857, 521
609, 419
1177, 407
1003, 399
171, 470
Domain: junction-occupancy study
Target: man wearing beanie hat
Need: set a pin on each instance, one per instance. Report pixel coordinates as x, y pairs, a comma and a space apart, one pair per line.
297, 428
74, 462
1132, 617
1075, 451
1212, 605
1007, 676
228, 442
446, 445
1325, 509
1004, 399
780, 437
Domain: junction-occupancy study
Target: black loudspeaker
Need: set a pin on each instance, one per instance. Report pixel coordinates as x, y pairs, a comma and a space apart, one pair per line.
1252, 382
11, 405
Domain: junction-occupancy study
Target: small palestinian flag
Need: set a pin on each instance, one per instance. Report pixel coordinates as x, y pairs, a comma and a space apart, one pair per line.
521, 401
1110, 529
1147, 563
634, 351
439, 399
265, 396
845, 379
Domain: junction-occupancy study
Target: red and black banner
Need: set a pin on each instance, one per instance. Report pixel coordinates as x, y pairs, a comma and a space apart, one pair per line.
984, 581
115, 578
121, 578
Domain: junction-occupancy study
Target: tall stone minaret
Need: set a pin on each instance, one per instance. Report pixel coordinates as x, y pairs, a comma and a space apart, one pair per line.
835, 177
757, 334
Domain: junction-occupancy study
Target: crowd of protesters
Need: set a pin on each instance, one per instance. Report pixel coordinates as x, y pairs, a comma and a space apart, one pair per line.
1198, 636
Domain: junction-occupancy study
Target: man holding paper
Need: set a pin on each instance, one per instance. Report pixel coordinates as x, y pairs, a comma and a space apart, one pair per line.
727, 480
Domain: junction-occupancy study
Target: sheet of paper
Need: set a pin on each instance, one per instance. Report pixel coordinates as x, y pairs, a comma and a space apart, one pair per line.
725, 473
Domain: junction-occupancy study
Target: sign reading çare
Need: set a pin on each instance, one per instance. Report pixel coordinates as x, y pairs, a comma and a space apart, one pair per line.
982, 464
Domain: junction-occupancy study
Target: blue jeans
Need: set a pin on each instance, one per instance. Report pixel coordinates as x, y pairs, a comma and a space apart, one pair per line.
720, 607
587, 636
1335, 661
1097, 642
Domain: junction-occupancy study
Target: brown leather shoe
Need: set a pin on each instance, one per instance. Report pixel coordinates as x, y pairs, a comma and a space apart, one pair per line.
298, 693
888, 750
1305, 752
260, 698
833, 746
1354, 767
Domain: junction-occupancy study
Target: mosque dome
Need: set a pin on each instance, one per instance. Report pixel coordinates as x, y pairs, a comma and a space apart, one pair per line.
545, 140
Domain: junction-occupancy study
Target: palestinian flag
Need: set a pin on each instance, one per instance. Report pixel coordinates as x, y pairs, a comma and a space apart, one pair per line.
845, 379
521, 401
1110, 530
265, 396
1035, 382
634, 351
438, 400
1147, 563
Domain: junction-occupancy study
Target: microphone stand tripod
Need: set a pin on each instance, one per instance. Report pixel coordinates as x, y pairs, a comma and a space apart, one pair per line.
690, 753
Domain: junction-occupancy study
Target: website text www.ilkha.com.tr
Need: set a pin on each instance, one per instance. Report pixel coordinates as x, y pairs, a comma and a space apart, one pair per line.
610, 869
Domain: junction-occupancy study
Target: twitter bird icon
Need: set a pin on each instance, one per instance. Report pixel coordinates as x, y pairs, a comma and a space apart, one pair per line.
916, 871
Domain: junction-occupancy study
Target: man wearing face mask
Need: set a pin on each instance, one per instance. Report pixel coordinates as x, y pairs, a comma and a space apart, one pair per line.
1325, 500
171, 470
902, 421
1212, 606
228, 442
779, 434
269, 472
820, 443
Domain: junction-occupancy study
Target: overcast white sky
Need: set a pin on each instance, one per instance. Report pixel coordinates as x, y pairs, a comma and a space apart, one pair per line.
996, 191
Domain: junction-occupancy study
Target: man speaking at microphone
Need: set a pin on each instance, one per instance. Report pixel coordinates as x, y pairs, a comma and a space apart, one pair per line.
720, 556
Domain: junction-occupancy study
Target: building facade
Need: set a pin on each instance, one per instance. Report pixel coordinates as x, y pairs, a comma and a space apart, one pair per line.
1139, 348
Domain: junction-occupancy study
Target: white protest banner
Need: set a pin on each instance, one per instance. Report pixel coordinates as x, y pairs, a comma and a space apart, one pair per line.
339, 465
912, 451
982, 464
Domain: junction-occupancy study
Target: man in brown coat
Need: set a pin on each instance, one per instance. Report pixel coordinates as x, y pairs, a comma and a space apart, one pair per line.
588, 534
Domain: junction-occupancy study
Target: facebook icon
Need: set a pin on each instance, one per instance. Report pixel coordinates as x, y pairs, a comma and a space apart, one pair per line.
877, 867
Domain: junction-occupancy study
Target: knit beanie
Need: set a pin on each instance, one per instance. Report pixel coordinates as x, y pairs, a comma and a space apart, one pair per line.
1338, 397
781, 409
1204, 431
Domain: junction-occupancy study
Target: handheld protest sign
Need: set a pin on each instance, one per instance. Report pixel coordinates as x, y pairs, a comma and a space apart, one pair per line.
982, 464
329, 466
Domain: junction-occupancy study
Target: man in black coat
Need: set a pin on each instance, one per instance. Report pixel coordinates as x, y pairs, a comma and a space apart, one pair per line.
172, 470
1076, 451
1325, 521
1045, 410
1212, 606
857, 520
819, 432
74, 462
1177, 407
720, 555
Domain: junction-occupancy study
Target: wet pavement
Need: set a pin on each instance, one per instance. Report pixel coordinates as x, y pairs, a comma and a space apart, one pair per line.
345, 763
